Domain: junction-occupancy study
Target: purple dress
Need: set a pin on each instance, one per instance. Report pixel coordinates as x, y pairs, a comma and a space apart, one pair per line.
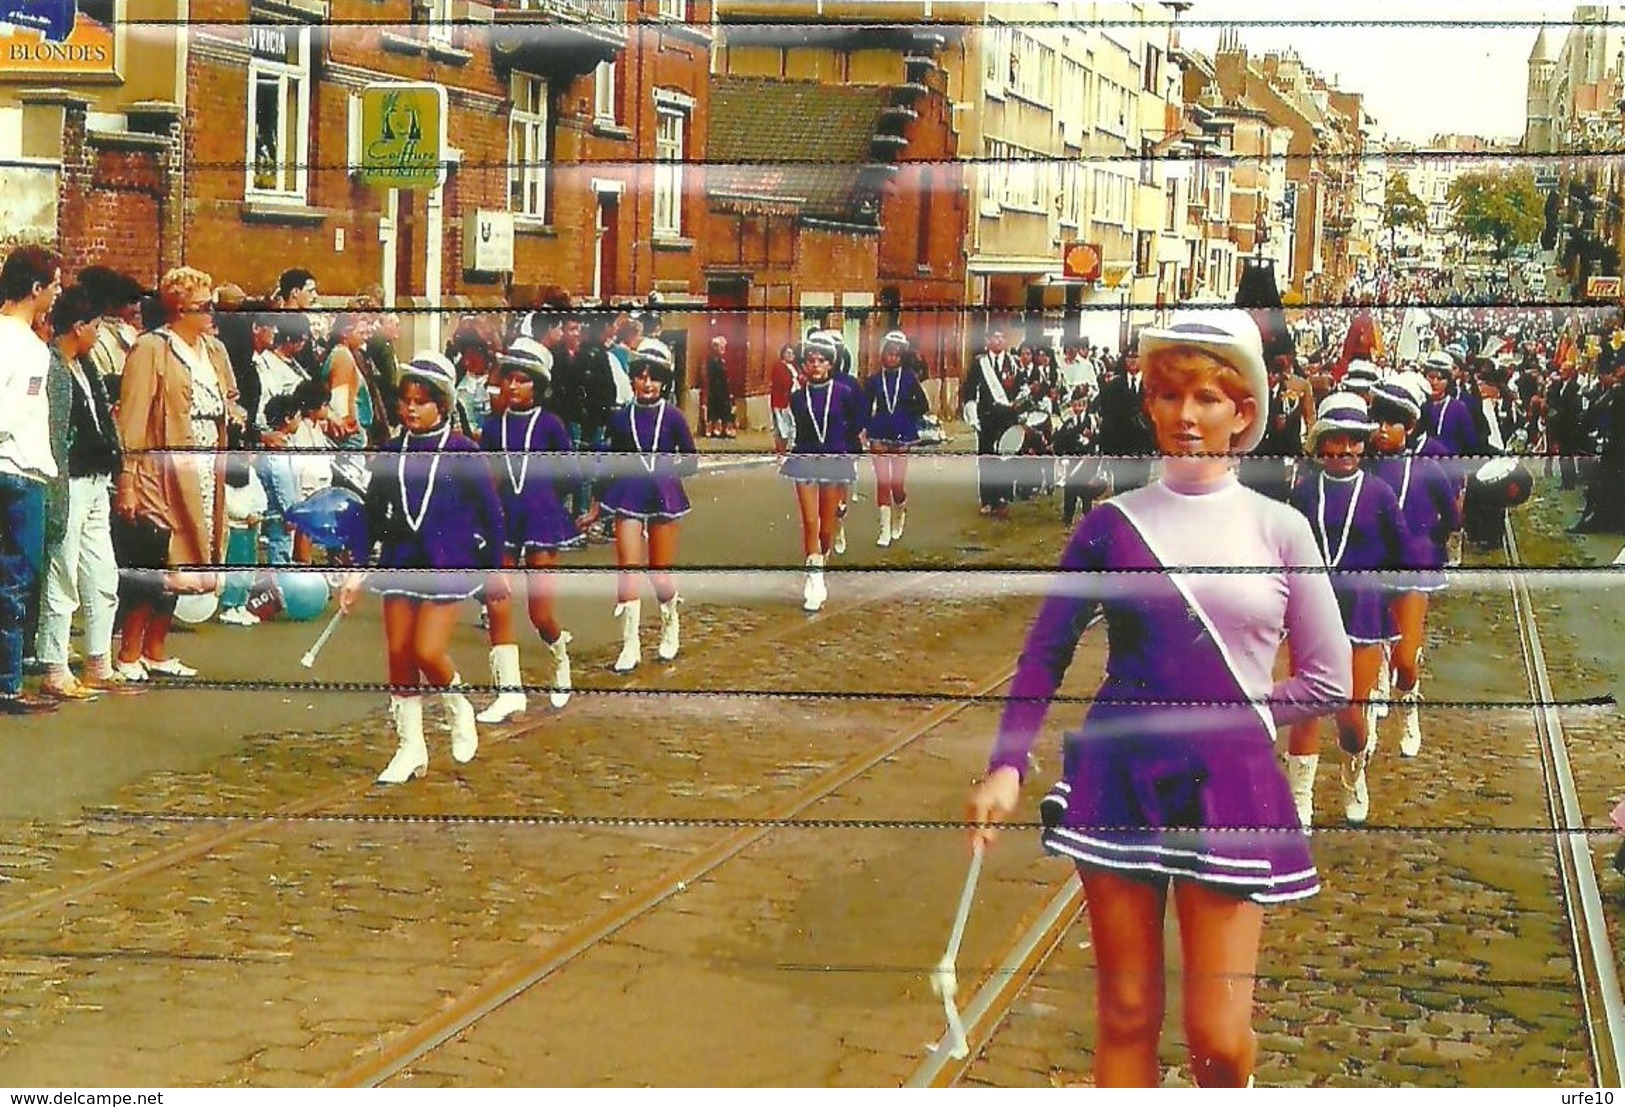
532, 459
1427, 500
1174, 772
828, 418
1450, 421
893, 402
432, 505
1358, 525
651, 451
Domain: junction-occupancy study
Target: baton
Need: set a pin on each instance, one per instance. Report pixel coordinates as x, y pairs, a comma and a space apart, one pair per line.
944, 979
309, 660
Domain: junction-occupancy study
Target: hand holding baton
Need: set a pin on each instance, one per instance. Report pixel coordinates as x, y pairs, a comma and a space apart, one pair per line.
309, 660
944, 978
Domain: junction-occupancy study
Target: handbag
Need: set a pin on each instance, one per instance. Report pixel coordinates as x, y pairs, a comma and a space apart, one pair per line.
140, 543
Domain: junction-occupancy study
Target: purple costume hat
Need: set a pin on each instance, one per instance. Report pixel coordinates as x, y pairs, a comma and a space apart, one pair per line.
526, 355
1340, 413
654, 357
431, 369
1231, 336
1392, 401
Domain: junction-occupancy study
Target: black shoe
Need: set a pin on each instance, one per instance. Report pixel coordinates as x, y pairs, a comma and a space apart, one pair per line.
1052, 808
25, 704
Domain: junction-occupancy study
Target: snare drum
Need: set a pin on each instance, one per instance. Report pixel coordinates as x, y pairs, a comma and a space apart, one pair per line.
1011, 442
1505, 481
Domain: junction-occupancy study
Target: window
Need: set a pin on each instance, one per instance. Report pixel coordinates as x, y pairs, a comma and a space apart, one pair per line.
1112, 104
1148, 163
278, 111
1151, 72
604, 93
674, 9
1172, 188
668, 216
1069, 191
1112, 192
1032, 69
528, 147
1072, 96
1144, 252
922, 229
437, 16
996, 44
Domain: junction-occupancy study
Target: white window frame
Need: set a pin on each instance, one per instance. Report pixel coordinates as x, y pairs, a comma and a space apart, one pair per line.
1035, 73
438, 20
298, 76
604, 93
674, 9
996, 59
528, 153
672, 113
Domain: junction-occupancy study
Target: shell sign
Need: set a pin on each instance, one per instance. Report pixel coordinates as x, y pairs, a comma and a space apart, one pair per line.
51, 39
1081, 261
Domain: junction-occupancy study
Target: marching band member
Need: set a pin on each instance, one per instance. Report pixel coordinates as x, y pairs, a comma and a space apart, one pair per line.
431, 505
533, 461
821, 463
1175, 791
651, 451
1427, 500
1359, 528
893, 402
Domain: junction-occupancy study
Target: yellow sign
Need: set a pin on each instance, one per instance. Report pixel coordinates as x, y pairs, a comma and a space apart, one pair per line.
403, 135
1603, 288
52, 39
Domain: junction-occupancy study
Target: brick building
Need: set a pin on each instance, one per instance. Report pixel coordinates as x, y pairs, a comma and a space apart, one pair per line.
835, 197
90, 154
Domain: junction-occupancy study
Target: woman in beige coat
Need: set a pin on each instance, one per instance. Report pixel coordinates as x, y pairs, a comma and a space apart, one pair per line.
177, 391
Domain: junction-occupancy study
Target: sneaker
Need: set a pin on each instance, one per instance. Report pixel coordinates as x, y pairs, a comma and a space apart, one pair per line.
133, 671
239, 617
169, 666
68, 691
114, 684
24, 704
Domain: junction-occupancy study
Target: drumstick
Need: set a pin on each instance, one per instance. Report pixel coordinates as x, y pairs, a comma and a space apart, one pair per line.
309, 660
944, 978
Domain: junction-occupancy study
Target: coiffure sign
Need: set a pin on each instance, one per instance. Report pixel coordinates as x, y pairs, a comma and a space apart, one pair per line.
52, 39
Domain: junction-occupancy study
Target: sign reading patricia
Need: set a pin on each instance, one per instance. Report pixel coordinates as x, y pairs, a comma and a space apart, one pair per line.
403, 135
56, 38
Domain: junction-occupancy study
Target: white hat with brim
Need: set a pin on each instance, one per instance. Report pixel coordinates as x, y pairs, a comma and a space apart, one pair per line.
1340, 413
1231, 336
1390, 398
434, 369
528, 356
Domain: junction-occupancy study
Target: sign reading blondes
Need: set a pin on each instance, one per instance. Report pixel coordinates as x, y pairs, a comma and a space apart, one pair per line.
403, 135
53, 39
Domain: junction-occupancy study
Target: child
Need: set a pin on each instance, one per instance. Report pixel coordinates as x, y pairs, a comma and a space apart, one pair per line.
652, 450
431, 507
246, 507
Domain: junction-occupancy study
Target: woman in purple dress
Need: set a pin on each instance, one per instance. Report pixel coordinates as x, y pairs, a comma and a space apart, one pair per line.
533, 462
823, 463
1172, 785
434, 514
651, 451
893, 402
1360, 531
1432, 510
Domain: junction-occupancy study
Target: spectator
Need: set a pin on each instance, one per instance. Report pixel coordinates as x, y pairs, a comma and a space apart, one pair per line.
719, 404
82, 570
176, 393
351, 407
279, 478
30, 279
118, 298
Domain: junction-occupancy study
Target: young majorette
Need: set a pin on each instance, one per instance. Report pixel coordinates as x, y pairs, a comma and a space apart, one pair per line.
1428, 500
1358, 525
893, 403
651, 451
532, 462
822, 462
433, 510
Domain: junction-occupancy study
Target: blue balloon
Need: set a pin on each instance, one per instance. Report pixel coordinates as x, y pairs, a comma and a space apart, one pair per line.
304, 595
334, 519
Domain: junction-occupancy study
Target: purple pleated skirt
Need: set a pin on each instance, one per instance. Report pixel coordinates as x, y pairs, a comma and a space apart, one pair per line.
646, 497
1363, 600
1196, 793
821, 468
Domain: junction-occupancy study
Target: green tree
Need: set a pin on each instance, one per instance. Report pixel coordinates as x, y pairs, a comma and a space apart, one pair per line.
1500, 207
1401, 207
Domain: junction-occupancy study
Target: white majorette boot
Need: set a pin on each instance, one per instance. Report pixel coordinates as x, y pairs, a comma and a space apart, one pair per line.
839, 544
1410, 739
814, 594
885, 527
1385, 681
1356, 796
560, 695
1370, 729
505, 675
899, 517
630, 613
1300, 777
465, 736
411, 754
670, 629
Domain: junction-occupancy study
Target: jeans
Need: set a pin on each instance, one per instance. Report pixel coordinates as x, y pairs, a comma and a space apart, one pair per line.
587, 440
278, 541
22, 554
82, 573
